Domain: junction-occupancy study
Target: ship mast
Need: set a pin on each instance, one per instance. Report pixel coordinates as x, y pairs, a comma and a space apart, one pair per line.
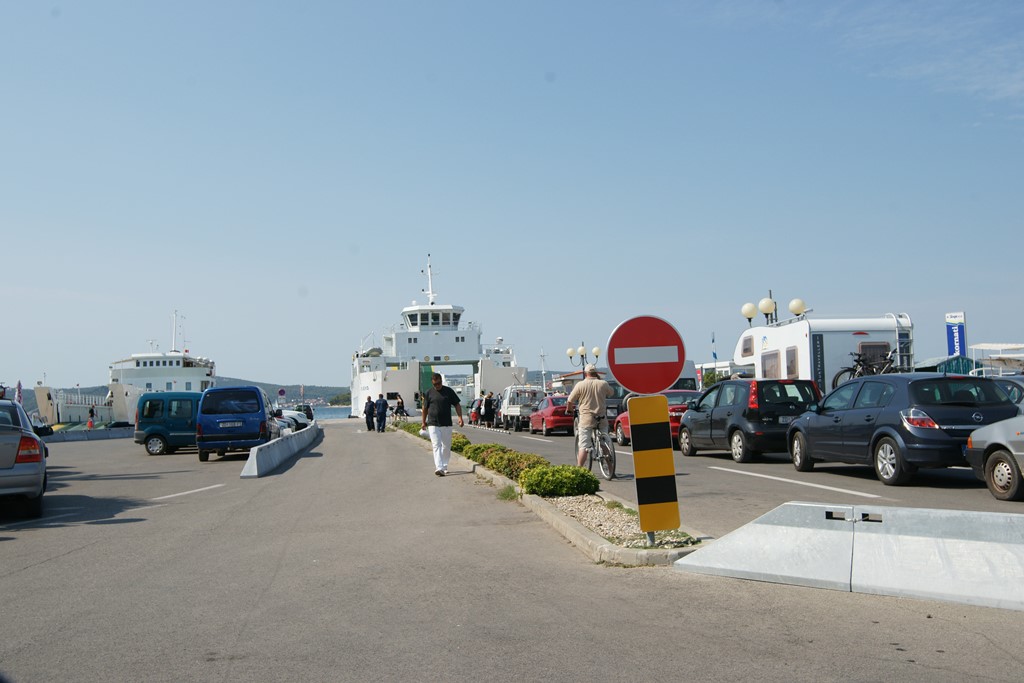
429, 291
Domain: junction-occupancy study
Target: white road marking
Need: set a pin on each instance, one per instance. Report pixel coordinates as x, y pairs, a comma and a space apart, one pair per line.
41, 520
537, 438
185, 493
632, 355
794, 481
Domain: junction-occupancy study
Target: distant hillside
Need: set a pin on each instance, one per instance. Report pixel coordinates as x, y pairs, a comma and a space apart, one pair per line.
311, 392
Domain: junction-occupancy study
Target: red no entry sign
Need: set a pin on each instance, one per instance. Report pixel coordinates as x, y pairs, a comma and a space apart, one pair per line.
646, 354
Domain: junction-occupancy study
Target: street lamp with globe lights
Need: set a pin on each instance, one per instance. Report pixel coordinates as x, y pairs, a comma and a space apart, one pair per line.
582, 353
768, 307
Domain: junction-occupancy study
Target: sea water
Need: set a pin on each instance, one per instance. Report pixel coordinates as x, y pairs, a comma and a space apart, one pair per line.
331, 412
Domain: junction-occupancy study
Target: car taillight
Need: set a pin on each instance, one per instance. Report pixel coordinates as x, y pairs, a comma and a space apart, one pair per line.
199, 429
752, 399
912, 417
263, 430
136, 419
817, 391
29, 450
970, 444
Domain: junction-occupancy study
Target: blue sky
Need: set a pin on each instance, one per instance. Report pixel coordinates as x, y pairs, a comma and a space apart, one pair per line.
278, 172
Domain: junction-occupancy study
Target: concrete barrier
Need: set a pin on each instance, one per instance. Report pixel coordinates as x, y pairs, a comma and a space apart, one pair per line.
266, 458
958, 556
963, 556
90, 434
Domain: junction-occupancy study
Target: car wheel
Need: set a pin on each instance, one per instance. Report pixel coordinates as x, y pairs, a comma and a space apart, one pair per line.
532, 430
738, 446
1002, 476
889, 464
686, 443
620, 436
204, 456
544, 428
798, 453
156, 445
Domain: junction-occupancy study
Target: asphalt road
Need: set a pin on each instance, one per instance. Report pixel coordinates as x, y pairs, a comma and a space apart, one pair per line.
356, 563
717, 495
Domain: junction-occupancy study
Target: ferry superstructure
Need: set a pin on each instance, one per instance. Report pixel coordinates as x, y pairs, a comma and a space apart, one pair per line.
431, 337
154, 370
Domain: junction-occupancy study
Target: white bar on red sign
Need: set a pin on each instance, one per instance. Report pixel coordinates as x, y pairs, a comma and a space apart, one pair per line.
646, 354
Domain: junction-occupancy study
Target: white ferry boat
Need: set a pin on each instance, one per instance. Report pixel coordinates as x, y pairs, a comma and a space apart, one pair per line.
430, 338
130, 377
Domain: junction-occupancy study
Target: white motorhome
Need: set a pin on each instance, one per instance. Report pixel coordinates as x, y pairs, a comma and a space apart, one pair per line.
818, 348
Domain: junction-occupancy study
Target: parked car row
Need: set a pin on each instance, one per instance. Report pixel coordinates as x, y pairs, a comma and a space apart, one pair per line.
897, 423
221, 420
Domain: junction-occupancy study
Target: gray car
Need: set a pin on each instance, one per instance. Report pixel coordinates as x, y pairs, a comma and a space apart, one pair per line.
22, 458
996, 454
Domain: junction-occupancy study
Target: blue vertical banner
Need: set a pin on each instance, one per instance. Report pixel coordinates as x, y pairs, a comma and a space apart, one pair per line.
956, 334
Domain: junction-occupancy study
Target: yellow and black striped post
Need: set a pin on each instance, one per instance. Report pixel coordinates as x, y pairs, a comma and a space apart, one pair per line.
651, 437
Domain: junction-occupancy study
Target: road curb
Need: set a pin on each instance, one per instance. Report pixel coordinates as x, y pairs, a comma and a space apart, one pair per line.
591, 544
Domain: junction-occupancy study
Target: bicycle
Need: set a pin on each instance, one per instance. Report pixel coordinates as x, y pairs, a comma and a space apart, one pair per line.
605, 455
863, 368
397, 417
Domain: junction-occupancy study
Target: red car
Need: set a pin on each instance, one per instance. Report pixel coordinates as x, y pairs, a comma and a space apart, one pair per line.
677, 399
551, 415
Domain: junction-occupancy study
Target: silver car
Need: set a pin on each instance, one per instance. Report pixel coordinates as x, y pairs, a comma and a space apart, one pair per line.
996, 454
22, 458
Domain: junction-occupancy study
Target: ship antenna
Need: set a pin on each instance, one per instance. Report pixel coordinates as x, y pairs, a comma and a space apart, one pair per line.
429, 291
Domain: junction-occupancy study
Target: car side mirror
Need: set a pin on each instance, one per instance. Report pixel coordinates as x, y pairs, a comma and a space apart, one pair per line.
43, 430
278, 413
814, 407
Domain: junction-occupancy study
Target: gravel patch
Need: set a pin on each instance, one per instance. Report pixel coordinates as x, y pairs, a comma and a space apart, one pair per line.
618, 524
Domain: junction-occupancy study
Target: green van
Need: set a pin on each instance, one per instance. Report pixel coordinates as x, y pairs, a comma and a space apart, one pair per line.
166, 420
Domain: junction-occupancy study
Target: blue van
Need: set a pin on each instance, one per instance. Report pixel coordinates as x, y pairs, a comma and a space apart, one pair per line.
234, 419
166, 420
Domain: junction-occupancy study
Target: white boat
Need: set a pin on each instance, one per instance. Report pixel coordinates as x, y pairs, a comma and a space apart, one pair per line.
155, 370
431, 337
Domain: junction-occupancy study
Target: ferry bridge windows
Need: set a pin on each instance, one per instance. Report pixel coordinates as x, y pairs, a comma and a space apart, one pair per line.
414, 319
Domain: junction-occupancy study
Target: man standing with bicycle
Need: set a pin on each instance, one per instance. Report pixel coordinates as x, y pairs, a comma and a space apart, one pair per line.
591, 395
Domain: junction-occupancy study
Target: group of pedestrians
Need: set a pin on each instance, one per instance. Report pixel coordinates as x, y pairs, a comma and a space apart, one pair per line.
379, 409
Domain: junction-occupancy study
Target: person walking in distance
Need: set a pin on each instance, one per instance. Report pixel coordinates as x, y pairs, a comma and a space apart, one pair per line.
368, 413
382, 412
437, 420
591, 395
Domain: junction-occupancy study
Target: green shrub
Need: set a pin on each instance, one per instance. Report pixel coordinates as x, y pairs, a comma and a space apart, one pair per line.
513, 463
411, 427
481, 452
560, 480
459, 442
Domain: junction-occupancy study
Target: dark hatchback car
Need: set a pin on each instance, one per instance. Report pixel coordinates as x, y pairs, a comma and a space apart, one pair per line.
899, 423
747, 416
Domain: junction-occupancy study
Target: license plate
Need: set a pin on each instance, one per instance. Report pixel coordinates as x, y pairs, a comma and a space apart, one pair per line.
785, 419
230, 424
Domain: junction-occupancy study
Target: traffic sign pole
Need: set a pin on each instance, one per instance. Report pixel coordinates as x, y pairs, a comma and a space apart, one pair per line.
646, 355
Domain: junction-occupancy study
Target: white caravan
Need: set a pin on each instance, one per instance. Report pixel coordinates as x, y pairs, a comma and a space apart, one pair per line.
818, 348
